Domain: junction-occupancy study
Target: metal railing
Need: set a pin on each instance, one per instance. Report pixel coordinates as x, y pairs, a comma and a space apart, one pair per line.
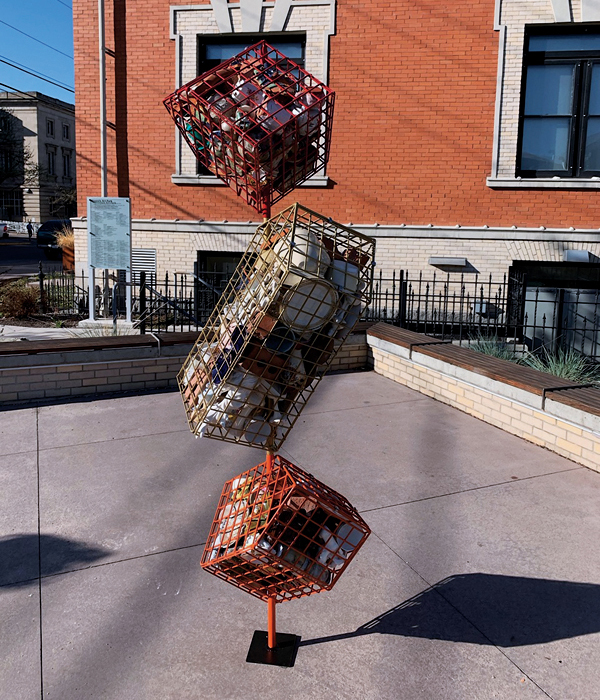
462, 308
183, 301
469, 309
62, 293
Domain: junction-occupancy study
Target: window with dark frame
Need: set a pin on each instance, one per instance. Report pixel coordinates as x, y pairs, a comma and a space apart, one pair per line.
214, 49
66, 163
51, 161
559, 125
50, 127
66, 132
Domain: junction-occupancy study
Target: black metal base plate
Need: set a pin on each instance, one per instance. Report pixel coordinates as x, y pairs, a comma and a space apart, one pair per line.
284, 653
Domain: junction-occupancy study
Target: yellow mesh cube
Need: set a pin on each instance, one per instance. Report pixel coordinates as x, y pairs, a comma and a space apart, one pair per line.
298, 292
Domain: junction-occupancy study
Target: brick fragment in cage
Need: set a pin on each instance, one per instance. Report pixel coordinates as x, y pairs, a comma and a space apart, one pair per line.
257, 121
281, 533
296, 295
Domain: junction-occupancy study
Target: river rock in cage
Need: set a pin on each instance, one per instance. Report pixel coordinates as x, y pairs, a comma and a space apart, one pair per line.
296, 295
257, 121
279, 532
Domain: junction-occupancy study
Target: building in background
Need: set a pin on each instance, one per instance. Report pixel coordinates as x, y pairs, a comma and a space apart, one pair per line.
466, 134
37, 157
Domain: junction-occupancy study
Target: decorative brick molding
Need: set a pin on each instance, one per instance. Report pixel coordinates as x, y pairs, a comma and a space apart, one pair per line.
489, 250
511, 18
314, 17
535, 406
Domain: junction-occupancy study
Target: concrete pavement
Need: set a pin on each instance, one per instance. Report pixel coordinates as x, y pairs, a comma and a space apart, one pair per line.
481, 578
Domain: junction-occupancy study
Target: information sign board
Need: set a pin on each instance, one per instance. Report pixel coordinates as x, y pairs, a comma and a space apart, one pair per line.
109, 233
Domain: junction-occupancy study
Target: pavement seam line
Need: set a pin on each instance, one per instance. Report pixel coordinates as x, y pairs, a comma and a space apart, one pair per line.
105, 563
100, 442
362, 408
39, 527
431, 587
474, 488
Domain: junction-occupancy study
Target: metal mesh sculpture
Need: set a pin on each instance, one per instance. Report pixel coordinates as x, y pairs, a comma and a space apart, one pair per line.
279, 533
257, 121
297, 293
263, 125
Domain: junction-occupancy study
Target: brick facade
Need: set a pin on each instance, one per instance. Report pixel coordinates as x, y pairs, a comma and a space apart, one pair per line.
413, 133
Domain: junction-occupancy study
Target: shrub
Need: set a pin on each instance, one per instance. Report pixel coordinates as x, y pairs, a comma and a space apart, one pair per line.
568, 364
18, 300
65, 238
494, 347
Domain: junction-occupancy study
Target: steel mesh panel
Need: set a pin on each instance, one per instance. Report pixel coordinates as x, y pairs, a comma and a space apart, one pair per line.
282, 533
257, 121
299, 290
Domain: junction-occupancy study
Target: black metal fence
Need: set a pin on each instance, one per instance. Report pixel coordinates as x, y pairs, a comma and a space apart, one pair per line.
466, 309
183, 301
62, 293
470, 309
176, 302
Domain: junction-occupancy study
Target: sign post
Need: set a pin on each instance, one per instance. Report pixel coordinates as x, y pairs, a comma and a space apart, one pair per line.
109, 242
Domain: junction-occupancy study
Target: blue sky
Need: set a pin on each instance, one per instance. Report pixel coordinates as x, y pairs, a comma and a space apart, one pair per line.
49, 22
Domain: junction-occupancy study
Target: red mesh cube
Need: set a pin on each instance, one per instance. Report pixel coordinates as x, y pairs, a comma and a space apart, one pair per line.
280, 533
257, 121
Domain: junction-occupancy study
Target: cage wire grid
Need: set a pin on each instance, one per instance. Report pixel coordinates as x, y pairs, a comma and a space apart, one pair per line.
258, 121
280, 533
299, 290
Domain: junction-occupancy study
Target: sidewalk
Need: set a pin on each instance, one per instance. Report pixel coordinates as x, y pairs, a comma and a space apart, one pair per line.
481, 578
25, 333
8, 332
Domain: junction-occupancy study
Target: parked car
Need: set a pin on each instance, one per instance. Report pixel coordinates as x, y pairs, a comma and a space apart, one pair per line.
46, 237
46, 233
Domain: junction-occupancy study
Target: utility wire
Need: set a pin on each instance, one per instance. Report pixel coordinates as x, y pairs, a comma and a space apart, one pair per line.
22, 65
65, 4
38, 41
36, 75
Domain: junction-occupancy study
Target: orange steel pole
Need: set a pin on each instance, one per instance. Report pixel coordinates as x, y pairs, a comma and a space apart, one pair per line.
270, 461
271, 629
270, 454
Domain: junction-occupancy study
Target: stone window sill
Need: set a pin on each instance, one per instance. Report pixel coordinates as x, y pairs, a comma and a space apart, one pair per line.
544, 183
315, 181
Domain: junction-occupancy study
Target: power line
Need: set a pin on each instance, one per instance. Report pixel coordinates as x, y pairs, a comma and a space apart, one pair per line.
38, 41
36, 75
65, 4
22, 65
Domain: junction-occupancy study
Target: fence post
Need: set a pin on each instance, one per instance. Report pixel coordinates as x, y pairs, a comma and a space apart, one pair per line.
402, 300
142, 302
42, 292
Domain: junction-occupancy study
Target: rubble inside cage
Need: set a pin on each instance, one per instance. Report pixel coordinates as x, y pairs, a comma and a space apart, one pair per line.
257, 121
282, 533
296, 295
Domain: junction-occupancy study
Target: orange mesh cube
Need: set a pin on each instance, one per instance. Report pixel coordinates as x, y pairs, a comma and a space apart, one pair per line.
280, 533
296, 295
257, 121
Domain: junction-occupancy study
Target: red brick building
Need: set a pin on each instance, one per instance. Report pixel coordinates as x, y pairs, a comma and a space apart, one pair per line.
461, 129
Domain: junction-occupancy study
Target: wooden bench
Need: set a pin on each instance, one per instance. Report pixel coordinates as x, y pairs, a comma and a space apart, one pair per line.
520, 376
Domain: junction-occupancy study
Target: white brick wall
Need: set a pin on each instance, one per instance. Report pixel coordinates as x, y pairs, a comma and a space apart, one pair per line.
576, 438
315, 20
74, 375
489, 251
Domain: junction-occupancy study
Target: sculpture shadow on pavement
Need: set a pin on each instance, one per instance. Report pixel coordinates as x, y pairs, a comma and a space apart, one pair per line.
504, 611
